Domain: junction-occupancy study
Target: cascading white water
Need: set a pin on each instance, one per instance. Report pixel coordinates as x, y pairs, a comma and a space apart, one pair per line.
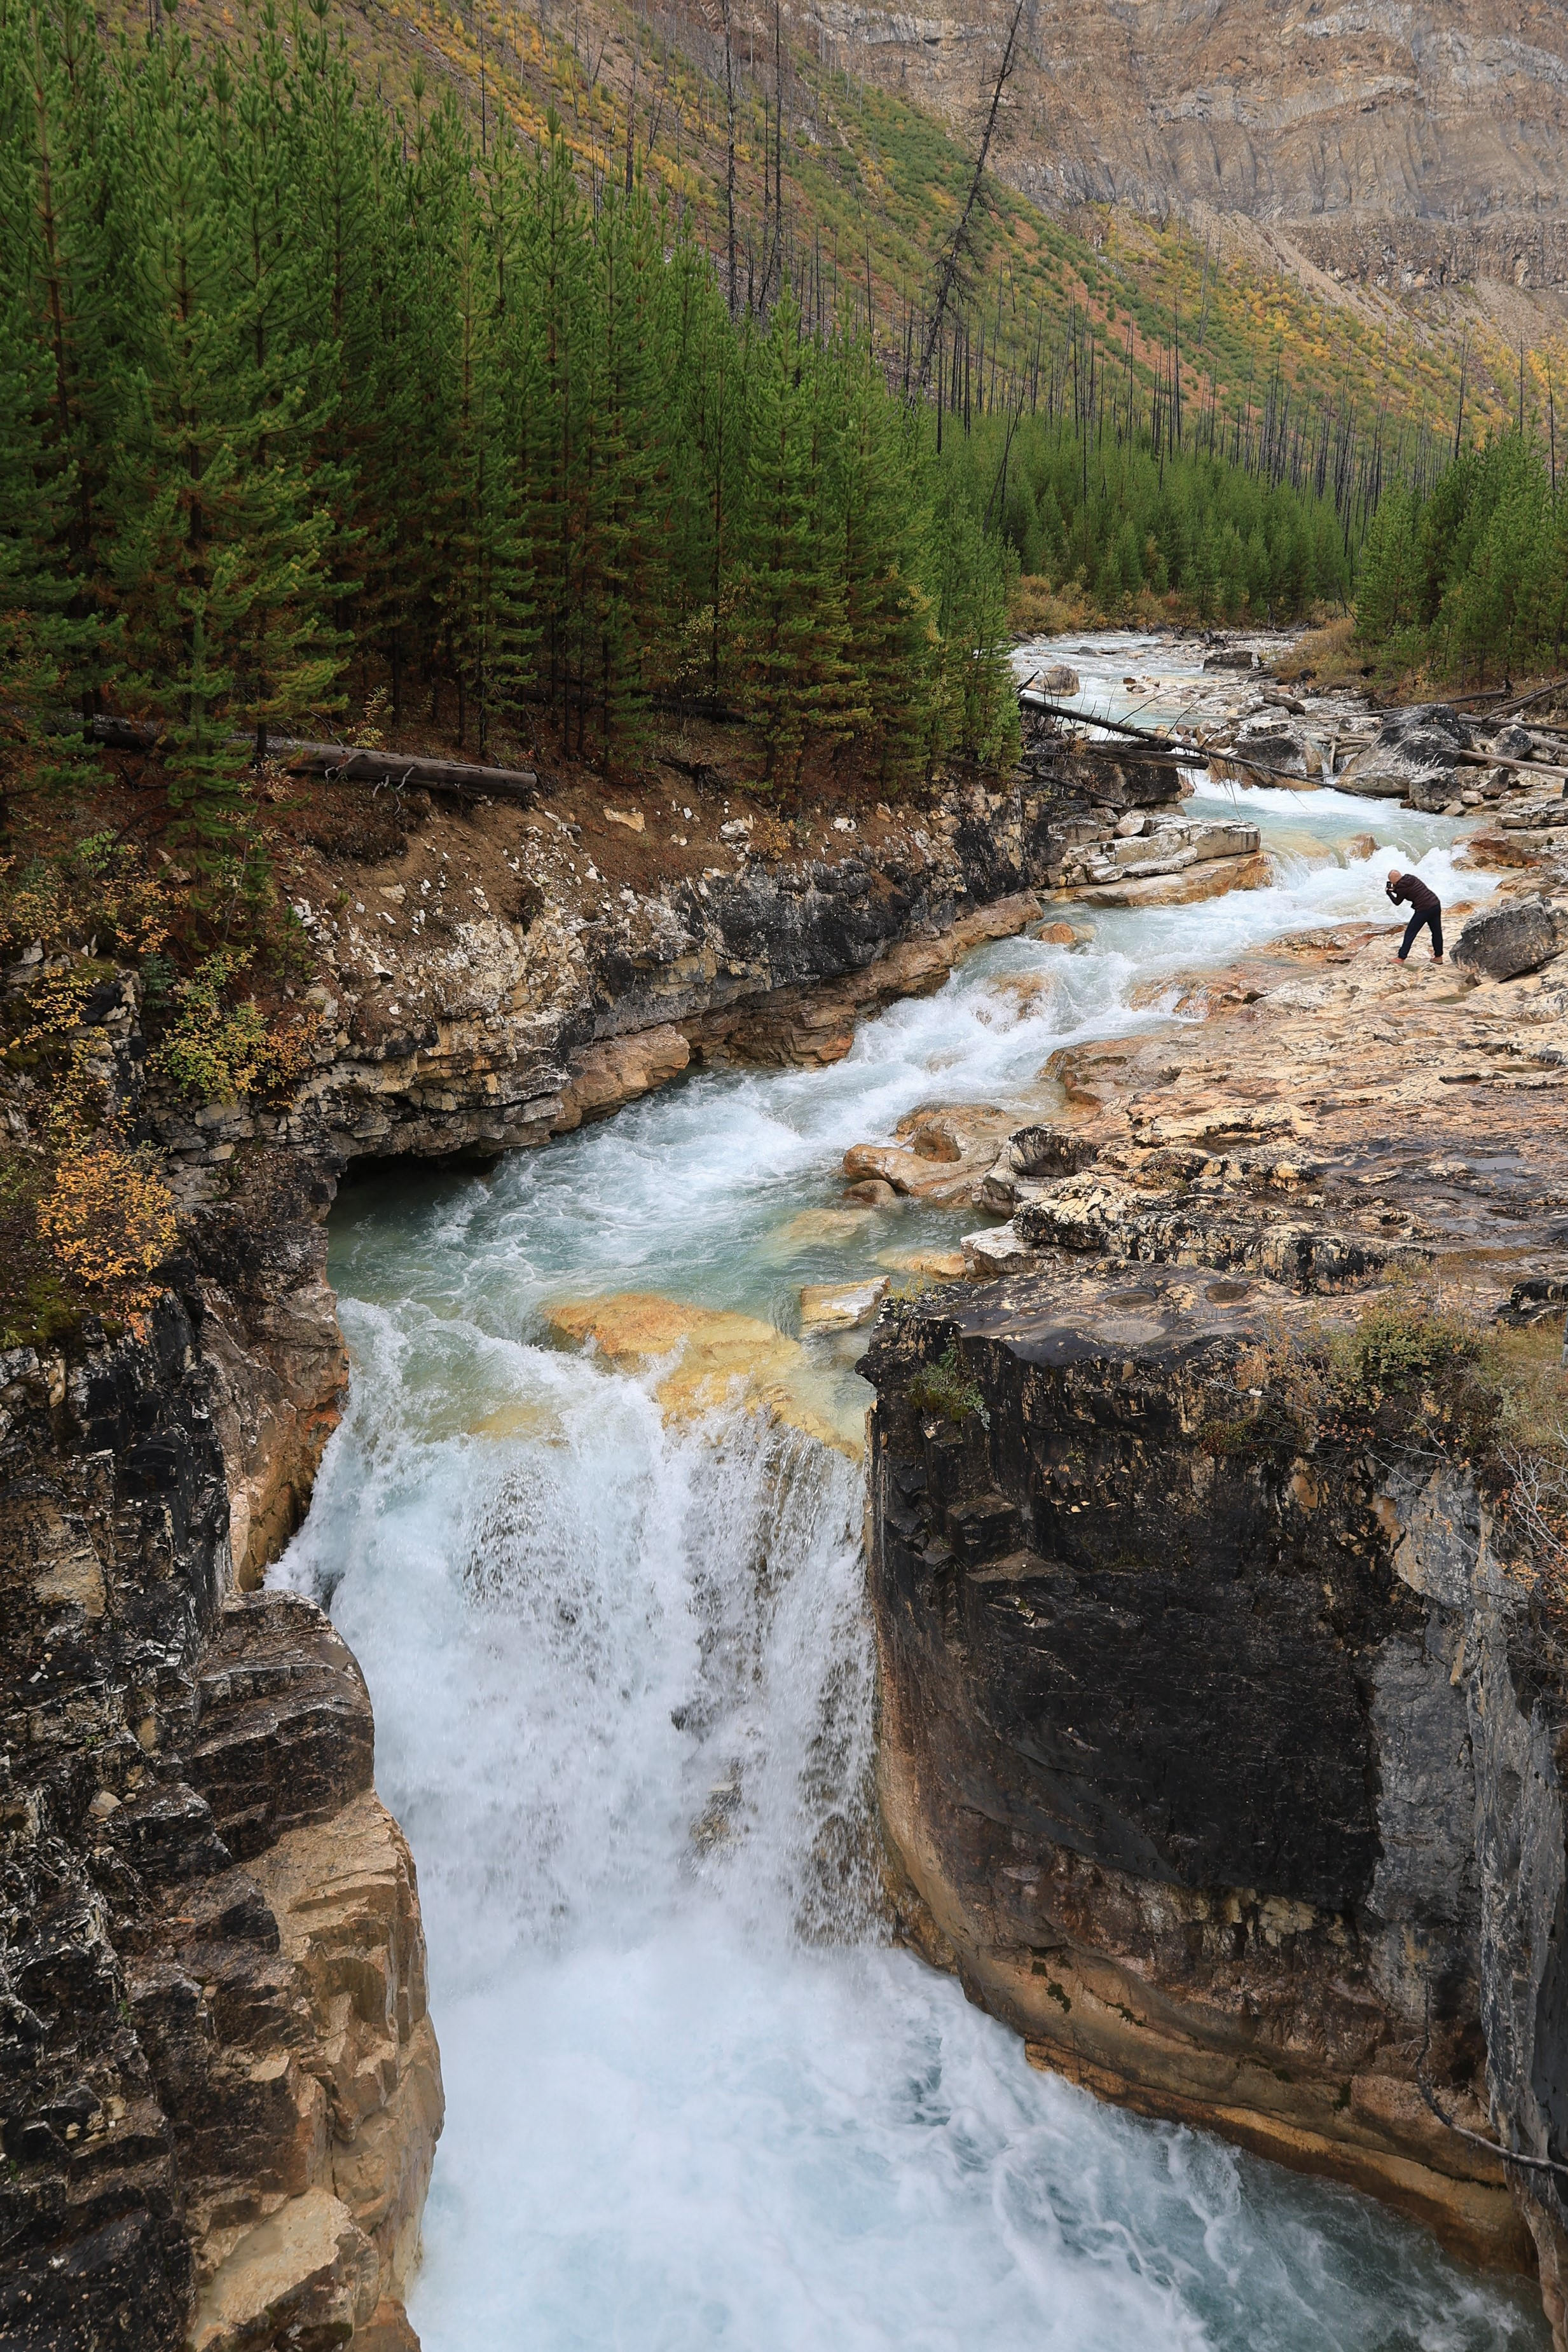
623, 1689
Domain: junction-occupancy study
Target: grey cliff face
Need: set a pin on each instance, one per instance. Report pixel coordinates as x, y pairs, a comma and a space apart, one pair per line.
1226, 1767
1394, 142
194, 1870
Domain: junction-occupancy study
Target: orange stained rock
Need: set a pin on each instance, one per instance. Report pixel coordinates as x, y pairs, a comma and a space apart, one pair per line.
719, 1358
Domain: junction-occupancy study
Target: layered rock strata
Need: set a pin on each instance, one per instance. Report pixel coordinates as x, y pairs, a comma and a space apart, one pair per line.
486, 1035
1220, 1714
1220, 1746
221, 2093
1406, 147
1331, 1113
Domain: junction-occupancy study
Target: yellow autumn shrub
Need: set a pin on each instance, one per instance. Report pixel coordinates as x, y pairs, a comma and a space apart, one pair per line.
110, 1222
219, 1052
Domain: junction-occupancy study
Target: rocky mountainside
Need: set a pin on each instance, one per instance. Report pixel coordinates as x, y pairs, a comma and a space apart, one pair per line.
1392, 142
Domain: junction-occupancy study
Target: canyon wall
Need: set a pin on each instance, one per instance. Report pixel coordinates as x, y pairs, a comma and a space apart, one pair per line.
219, 2087
1222, 1708
487, 1035
221, 2090
1220, 1744
1391, 143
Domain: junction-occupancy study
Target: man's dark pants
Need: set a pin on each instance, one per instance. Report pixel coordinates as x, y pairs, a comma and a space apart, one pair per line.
1413, 929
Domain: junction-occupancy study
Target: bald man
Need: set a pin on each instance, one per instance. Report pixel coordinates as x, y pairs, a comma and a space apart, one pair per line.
1409, 891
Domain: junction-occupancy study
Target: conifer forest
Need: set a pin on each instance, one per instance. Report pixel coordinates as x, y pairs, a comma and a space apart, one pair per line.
310, 398
302, 394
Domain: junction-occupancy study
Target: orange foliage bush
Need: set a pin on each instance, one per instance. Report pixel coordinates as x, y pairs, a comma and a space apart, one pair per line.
110, 1222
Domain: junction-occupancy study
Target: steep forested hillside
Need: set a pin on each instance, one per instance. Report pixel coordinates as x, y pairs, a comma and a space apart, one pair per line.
303, 386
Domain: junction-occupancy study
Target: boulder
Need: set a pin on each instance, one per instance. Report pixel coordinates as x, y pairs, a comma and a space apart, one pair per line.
1506, 941
841, 1306
930, 1265
1276, 745
707, 1358
1433, 747
996, 1250
1432, 791
1059, 680
1413, 756
1506, 849
1232, 657
1045, 1151
1539, 1299
1368, 775
1209, 877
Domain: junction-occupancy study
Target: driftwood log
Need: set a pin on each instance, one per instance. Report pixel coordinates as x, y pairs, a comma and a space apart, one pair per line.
1165, 747
1549, 771
1162, 746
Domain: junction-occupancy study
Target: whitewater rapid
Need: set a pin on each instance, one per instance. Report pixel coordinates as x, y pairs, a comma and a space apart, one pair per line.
622, 1688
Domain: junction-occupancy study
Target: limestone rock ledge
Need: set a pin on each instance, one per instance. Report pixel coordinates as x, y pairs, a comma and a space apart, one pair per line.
1228, 1773
219, 2088
489, 1037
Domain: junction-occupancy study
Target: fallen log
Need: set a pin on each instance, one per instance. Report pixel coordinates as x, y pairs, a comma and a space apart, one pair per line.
348, 763
1524, 701
1545, 768
1165, 747
120, 734
1159, 746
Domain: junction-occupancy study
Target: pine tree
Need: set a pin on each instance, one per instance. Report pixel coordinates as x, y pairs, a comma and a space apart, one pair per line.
62, 157
890, 639
218, 547
797, 683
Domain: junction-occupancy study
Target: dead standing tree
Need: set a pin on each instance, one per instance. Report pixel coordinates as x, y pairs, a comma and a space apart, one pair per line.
729, 146
958, 251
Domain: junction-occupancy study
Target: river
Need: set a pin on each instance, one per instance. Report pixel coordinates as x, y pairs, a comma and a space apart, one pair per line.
623, 1690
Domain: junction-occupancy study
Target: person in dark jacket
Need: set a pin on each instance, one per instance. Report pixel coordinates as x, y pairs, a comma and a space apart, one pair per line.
1408, 889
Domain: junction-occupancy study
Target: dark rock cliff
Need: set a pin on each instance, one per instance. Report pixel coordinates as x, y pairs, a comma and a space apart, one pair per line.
1220, 1751
182, 2069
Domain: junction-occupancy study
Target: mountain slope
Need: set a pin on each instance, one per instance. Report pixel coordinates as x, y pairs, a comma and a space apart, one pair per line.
1207, 249
1396, 141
